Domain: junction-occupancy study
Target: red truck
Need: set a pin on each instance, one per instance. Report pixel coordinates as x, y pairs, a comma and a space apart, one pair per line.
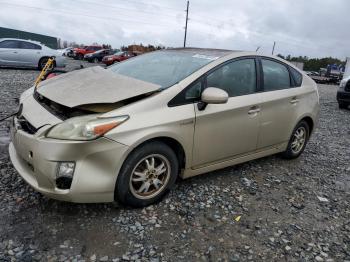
117, 57
78, 53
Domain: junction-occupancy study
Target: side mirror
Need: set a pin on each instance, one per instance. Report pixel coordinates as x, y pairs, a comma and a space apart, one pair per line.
213, 95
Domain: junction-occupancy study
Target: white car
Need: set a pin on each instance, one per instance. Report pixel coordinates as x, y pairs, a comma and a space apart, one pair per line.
26, 53
65, 51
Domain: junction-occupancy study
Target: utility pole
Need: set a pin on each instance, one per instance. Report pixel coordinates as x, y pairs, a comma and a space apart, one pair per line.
188, 3
273, 48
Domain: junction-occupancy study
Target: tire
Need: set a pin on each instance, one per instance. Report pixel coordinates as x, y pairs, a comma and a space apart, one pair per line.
96, 60
343, 105
80, 56
294, 149
137, 179
42, 63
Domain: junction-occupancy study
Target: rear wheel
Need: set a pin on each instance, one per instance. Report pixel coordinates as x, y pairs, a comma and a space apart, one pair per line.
298, 141
147, 175
343, 105
95, 60
42, 63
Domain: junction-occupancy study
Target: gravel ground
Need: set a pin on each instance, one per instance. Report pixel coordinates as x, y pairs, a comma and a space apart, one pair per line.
268, 209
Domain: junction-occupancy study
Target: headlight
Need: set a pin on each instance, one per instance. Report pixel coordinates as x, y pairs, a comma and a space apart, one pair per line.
85, 127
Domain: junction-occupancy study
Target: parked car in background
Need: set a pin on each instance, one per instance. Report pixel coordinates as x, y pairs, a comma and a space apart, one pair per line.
98, 55
117, 57
343, 94
127, 132
25, 53
66, 51
78, 53
312, 73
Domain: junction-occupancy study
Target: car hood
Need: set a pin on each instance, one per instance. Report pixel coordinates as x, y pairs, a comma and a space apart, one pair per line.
93, 85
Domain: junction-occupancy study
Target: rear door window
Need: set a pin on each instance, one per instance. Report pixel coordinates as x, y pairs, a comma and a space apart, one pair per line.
9, 44
27, 45
276, 75
237, 78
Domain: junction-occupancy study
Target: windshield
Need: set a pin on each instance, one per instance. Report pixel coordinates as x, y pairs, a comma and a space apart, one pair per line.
118, 53
164, 68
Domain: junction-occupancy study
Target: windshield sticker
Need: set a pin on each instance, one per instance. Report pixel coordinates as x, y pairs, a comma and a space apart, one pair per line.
205, 57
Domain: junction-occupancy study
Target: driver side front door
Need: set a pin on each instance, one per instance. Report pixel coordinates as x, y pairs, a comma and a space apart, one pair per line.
226, 131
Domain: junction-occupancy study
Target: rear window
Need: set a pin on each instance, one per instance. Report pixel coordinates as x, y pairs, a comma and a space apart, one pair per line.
298, 78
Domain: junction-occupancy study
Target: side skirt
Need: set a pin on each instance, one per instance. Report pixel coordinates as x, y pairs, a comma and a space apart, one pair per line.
234, 161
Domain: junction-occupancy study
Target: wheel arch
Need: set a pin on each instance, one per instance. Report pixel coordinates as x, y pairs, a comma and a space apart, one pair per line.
44, 57
174, 144
309, 121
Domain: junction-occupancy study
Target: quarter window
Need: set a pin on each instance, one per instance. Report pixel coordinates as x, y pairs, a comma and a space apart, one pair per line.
194, 92
298, 78
276, 75
9, 44
236, 78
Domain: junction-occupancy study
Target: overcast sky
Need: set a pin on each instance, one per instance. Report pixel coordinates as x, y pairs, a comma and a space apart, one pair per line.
300, 27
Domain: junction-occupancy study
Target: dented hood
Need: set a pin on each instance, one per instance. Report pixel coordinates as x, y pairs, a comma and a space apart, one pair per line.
93, 85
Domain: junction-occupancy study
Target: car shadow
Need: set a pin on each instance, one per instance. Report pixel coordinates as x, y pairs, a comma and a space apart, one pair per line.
19, 68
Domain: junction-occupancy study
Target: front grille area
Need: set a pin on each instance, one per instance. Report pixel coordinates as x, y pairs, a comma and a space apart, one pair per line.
26, 126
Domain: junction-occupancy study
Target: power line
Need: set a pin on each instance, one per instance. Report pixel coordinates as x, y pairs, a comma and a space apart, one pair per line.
86, 15
156, 5
127, 9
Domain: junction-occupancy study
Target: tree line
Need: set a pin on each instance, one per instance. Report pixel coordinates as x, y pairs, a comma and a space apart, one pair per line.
313, 64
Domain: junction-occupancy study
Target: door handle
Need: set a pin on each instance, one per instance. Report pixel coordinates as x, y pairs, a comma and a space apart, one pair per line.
254, 110
294, 100
15, 52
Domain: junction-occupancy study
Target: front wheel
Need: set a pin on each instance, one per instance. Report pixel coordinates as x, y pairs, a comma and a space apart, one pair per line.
147, 175
298, 141
96, 60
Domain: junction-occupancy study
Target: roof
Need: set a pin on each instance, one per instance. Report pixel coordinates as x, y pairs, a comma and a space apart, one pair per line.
204, 51
26, 40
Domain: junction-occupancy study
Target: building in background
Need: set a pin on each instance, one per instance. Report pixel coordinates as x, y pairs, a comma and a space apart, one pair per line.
49, 41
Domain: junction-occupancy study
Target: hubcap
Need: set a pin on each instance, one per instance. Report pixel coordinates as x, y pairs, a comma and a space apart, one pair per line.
298, 141
150, 176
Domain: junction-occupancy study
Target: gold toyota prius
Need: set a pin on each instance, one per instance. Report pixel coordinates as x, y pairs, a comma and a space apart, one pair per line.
127, 132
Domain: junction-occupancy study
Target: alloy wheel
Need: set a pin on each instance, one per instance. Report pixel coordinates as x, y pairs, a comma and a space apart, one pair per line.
150, 176
299, 139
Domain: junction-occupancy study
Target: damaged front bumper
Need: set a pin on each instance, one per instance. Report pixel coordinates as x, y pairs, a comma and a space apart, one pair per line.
97, 164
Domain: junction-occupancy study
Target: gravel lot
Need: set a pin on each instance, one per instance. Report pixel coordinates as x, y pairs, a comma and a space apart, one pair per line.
295, 210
